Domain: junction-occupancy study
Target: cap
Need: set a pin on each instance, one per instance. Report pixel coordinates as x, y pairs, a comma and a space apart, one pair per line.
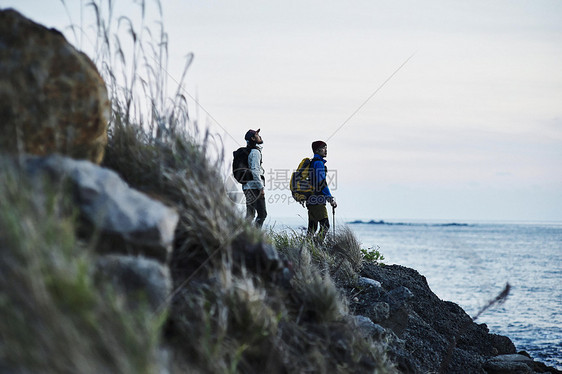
318, 144
251, 133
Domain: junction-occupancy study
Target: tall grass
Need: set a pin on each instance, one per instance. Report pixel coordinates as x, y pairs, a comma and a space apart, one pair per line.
157, 148
340, 255
223, 318
55, 319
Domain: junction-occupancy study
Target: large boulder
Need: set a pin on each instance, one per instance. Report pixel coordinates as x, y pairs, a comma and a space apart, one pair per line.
126, 220
52, 98
139, 279
425, 334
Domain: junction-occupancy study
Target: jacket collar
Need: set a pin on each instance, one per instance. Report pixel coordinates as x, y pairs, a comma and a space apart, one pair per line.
316, 155
253, 145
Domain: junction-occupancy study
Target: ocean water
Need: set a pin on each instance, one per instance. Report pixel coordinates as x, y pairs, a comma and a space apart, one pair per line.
470, 264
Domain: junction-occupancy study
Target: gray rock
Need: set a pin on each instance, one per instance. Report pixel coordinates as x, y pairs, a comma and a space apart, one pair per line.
164, 360
52, 98
127, 220
398, 297
506, 364
380, 332
502, 345
436, 333
512, 358
270, 256
380, 311
140, 279
261, 258
397, 321
516, 363
368, 282
367, 327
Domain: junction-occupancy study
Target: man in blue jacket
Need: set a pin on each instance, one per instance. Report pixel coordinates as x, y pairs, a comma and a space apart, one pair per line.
254, 190
316, 203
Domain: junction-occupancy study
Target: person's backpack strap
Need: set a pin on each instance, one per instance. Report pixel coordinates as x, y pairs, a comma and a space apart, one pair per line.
312, 175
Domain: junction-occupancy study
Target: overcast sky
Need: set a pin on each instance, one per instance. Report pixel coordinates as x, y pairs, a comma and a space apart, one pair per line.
446, 110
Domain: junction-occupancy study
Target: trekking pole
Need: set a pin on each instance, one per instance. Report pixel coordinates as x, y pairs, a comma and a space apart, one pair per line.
334, 219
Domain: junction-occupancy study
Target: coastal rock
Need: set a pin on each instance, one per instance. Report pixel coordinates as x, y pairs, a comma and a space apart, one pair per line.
367, 282
437, 333
380, 311
139, 279
516, 363
52, 98
427, 335
127, 221
261, 258
398, 297
367, 327
506, 364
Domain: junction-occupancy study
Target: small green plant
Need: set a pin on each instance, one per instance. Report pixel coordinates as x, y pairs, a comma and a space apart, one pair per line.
372, 255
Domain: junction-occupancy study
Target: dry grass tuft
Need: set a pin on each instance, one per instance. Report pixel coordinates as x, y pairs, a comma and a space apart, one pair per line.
339, 254
346, 250
235, 321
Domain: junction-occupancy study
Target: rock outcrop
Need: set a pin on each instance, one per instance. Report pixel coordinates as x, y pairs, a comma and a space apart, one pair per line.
141, 279
126, 220
133, 234
52, 98
429, 335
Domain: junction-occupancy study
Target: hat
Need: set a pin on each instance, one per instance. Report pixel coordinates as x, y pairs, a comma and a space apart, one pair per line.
318, 144
251, 133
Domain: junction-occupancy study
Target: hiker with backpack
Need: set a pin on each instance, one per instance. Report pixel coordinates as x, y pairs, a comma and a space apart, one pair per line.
247, 169
316, 203
309, 187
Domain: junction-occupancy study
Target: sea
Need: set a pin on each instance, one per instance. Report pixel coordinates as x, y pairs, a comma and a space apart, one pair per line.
470, 263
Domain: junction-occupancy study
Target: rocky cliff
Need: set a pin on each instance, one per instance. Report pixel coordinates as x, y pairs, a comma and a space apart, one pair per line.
428, 335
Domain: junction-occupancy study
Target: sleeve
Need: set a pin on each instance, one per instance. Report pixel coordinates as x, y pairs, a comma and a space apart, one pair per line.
255, 168
322, 184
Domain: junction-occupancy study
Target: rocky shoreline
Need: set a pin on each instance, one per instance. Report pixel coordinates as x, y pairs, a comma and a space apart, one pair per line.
429, 335
391, 304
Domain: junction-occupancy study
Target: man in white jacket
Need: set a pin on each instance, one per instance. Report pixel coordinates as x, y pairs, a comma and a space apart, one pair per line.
254, 190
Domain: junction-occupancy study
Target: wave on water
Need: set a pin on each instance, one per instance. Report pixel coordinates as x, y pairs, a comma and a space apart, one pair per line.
381, 222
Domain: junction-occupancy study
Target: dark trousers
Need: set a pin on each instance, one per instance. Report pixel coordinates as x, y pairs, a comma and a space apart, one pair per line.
255, 203
317, 214
313, 226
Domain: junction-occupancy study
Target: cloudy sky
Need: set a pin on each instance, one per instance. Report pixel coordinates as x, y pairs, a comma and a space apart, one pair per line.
448, 110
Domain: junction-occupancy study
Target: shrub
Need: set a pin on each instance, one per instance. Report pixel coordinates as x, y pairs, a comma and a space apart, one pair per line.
372, 255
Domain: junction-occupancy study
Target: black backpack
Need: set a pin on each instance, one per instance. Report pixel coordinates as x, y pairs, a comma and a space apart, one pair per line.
240, 168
